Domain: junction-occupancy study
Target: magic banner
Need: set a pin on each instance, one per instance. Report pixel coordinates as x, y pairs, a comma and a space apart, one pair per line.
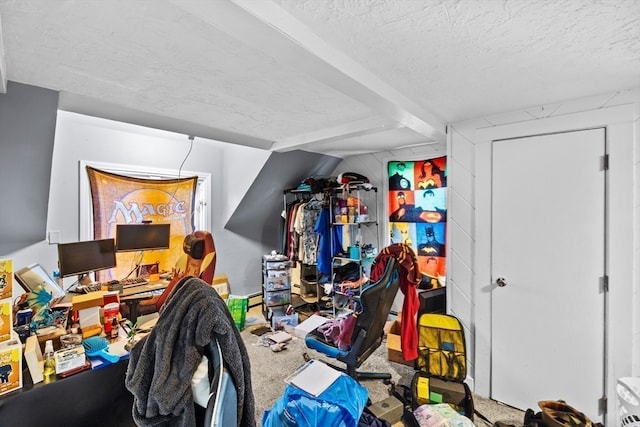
119, 199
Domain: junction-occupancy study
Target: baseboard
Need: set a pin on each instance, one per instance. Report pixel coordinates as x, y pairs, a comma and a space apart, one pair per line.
255, 299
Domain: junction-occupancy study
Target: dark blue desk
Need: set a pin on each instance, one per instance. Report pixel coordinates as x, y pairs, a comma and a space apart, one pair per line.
90, 398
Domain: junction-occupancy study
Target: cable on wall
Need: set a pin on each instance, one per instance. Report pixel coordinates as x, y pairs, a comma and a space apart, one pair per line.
191, 139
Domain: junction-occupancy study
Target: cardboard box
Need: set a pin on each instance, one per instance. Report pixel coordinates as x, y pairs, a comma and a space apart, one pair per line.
221, 285
88, 308
389, 409
84, 301
33, 357
69, 359
10, 365
6, 279
6, 319
394, 346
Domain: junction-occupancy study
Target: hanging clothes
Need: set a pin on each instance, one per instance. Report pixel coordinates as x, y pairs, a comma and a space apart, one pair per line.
329, 240
305, 227
300, 241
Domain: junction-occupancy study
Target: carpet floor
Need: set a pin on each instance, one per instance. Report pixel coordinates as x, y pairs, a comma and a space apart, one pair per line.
269, 370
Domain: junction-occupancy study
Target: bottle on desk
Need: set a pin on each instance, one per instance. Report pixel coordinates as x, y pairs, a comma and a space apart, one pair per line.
115, 329
49, 371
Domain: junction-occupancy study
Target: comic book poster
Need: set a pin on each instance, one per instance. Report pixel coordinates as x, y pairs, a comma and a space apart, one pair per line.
417, 203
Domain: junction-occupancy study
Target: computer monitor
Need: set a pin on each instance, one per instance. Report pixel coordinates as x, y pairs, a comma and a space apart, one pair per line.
82, 258
142, 237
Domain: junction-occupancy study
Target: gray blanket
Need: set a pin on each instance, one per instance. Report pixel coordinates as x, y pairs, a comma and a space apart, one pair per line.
162, 364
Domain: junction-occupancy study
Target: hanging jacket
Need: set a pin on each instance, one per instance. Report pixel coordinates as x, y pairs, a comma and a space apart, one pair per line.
409, 279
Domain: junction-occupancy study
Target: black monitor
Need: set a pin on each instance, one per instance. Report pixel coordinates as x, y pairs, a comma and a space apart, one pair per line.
142, 237
82, 258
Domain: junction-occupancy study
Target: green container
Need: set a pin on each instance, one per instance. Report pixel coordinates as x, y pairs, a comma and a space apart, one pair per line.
238, 307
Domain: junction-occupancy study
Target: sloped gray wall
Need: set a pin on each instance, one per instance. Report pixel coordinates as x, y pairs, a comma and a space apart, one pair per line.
258, 214
27, 131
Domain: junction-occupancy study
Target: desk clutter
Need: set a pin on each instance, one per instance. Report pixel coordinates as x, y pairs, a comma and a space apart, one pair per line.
39, 344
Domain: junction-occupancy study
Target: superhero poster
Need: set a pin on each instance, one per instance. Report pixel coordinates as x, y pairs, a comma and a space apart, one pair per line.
417, 203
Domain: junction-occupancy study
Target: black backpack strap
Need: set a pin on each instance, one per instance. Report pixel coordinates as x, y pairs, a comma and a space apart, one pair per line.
404, 395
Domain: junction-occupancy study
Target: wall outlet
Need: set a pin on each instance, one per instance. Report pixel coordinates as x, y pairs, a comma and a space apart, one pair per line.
54, 237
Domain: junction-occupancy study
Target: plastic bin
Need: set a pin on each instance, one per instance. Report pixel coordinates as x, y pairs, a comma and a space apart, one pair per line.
277, 283
278, 298
287, 322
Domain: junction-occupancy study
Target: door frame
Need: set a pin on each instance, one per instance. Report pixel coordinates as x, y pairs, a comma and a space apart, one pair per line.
619, 139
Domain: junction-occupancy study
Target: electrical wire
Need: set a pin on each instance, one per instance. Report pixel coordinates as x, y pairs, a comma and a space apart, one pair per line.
191, 138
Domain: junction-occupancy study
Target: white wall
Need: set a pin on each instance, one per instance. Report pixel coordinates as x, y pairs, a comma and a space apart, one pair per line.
470, 169
464, 264
232, 167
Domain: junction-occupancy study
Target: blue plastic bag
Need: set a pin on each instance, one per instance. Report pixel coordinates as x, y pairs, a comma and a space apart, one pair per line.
340, 405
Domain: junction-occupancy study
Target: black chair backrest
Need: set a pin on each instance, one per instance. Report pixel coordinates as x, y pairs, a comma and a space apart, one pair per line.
376, 300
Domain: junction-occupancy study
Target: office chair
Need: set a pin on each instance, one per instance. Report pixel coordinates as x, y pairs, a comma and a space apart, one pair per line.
194, 322
375, 303
198, 260
214, 390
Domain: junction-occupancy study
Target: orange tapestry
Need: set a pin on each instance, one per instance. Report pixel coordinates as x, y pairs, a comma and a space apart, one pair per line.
119, 199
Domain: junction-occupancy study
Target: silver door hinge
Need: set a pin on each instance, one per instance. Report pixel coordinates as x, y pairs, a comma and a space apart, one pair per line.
605, 162
604, 283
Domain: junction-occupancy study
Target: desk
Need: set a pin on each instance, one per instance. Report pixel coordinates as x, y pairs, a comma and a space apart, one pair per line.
90, 398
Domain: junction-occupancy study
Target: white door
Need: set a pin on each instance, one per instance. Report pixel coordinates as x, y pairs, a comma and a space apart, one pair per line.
548, 222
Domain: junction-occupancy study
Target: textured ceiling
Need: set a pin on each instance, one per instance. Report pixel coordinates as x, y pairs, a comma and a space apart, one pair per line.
337, 77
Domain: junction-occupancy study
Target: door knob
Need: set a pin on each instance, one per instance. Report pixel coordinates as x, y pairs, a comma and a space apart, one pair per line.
501, 281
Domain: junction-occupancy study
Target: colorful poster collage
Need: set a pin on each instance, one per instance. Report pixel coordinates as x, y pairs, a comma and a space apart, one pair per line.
417, 203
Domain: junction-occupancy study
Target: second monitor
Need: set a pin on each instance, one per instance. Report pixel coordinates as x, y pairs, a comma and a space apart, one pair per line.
142, 237
85, 257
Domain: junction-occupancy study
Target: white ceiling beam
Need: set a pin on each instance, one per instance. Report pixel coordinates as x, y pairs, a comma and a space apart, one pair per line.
3, 64
94, 107
348, 130
265, 26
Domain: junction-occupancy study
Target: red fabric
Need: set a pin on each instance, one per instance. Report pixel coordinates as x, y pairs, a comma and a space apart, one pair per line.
409, 279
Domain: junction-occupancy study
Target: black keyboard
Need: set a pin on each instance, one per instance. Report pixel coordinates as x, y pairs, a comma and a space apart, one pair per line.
127, 283
110, 285
91, 287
